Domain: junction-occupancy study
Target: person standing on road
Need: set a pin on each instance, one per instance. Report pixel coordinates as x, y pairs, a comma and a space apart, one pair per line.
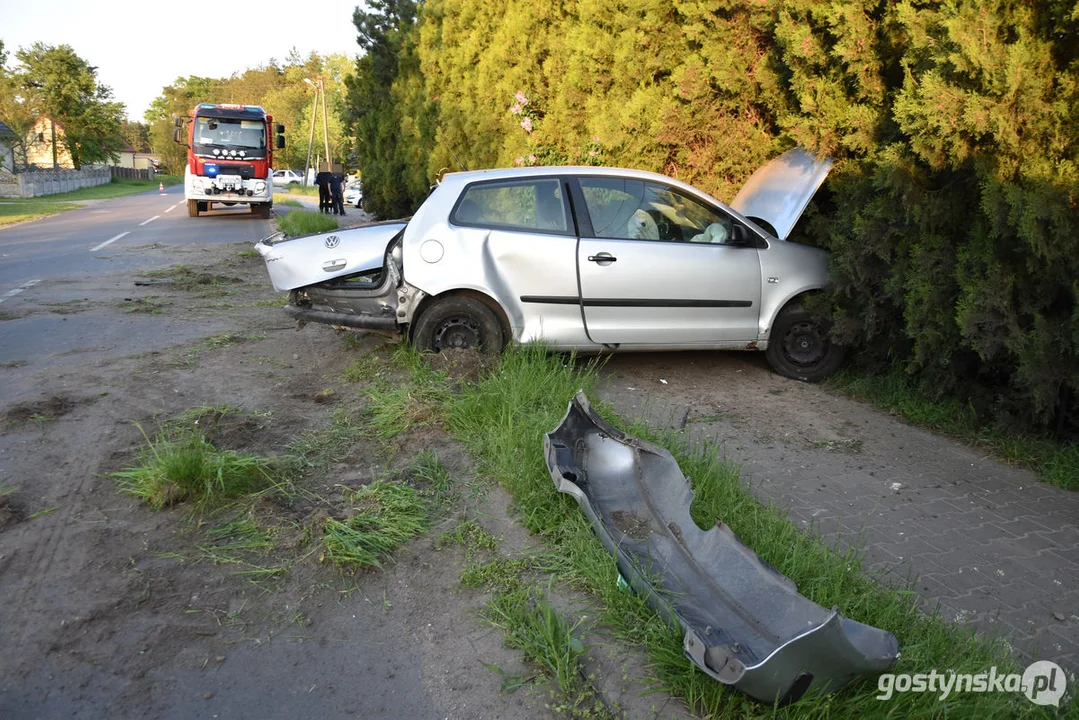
322, 179
337, 193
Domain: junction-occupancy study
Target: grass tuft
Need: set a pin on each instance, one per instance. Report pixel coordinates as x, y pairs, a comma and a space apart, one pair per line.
386, 515
531, 624
184, 466
316, 449
301, 222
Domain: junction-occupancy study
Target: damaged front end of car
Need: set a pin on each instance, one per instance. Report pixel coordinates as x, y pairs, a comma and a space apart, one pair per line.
744, 623
352, 278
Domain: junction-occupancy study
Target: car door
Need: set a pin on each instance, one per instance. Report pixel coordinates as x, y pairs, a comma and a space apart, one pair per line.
660, 268
520, 244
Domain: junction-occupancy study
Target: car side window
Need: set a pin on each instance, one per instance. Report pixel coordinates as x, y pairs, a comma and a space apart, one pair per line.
638, 210
523, 205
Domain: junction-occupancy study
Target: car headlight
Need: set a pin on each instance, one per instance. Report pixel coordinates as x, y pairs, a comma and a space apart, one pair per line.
260, 186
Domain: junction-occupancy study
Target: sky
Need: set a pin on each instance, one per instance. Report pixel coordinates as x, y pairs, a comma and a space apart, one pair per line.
141, 46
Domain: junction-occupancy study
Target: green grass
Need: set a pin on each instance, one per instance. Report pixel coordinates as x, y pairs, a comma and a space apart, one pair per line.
182, 465
191, 355
203, 284
531, 624
395, 407
310, 190
385, 515
501, 420
302, 222
239, 498
280, 199
151, 305
427, 468
469, 535
13, 210
315, 449
1057, 463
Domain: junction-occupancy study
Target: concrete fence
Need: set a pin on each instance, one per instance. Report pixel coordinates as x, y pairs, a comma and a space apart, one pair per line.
35, 183
126, 173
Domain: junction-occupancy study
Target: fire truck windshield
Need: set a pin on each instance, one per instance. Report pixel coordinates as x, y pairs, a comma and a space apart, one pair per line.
229, 133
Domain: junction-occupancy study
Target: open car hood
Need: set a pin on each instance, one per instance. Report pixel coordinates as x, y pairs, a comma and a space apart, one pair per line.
297, 262
745, 624
780, 190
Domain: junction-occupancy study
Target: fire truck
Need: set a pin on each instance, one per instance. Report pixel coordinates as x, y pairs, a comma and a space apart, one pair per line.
229, 156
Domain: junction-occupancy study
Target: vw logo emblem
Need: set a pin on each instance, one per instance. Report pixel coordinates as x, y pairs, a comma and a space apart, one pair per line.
333, 241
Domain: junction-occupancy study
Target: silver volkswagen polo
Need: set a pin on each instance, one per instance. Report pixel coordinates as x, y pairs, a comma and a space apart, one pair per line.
580, 258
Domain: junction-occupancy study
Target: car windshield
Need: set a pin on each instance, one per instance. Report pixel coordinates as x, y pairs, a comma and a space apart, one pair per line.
228, 133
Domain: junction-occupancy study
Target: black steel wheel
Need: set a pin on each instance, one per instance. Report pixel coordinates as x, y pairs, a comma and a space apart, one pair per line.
458, 323
800, 347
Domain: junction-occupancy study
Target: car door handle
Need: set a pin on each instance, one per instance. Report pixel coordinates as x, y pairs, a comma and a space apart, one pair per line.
601, 258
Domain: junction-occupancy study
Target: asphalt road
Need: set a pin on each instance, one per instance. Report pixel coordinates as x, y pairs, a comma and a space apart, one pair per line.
52, 271
75, 242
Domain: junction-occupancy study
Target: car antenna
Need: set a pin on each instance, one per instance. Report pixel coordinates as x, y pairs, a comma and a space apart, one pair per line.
463, 168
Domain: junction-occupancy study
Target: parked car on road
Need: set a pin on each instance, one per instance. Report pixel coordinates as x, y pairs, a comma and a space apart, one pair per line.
287, 177
354, 195
580, 258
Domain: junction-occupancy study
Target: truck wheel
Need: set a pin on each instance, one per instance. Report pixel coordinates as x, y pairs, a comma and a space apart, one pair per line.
458, 322
264, 210
193, 208
800, 348
205, 205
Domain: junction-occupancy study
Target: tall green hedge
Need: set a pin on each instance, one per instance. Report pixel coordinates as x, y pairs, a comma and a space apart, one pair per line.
951, 210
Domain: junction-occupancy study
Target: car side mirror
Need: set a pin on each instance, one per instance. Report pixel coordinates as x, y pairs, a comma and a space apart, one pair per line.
280, 128
280, 142
179, 122
740, 236
178, 136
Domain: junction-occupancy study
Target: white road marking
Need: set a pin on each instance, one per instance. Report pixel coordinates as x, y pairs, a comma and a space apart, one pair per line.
110, 241
25, 286
146, 222
173, 207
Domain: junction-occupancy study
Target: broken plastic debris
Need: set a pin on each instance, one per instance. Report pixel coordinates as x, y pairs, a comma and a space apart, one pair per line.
745, 623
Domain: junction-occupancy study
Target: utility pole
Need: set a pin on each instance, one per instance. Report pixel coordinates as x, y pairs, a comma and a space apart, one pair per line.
320, 90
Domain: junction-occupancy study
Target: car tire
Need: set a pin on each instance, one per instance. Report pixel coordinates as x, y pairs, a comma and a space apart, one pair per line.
800, 348
458, 322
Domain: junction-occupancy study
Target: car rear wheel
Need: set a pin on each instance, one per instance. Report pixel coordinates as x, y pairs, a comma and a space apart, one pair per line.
458, 322
800, 348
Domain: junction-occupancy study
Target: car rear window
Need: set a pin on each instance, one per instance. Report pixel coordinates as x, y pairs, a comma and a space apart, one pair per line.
533, 205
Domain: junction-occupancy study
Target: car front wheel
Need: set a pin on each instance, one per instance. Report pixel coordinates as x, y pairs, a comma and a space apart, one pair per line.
800, 348
458, 322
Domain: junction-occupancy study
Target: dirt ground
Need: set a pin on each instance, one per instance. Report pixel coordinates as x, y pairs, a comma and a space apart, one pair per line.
110, 608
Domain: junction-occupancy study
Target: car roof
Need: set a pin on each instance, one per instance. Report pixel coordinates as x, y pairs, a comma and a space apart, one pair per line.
459, 179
